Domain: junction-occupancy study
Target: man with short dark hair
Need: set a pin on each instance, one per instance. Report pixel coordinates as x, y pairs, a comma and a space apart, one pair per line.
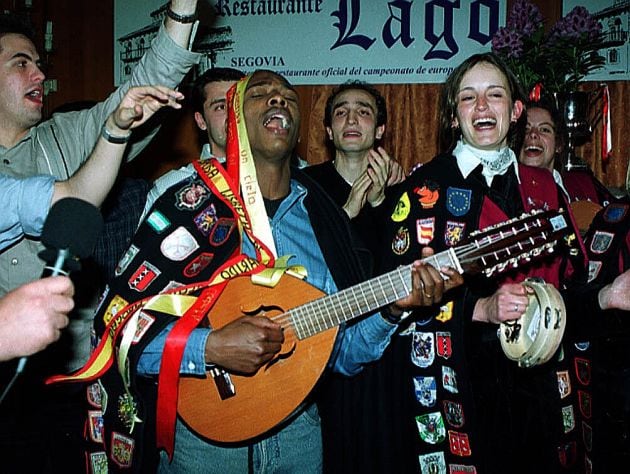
210, 114
59, 145
32, 417
189, 235
355, 119
209, 107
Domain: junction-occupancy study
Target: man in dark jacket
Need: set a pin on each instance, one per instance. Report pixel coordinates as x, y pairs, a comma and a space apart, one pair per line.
196, 237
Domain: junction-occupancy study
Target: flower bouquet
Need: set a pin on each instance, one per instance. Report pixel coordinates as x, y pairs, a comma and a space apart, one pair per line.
557, 60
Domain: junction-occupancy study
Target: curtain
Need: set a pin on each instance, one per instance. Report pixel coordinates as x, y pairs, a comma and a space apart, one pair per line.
412, 127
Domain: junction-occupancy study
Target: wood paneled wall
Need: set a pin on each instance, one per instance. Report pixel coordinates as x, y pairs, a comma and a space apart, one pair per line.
82, 64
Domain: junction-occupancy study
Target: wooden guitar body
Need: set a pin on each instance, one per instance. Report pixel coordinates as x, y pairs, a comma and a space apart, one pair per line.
265, 399
229, 408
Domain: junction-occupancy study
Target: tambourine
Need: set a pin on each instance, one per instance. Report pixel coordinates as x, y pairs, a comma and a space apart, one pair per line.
534, 338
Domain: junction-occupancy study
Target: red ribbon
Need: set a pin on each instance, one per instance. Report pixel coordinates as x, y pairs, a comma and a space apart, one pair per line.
606, 132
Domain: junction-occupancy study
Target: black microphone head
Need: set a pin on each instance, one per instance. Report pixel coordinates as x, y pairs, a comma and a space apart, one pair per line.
72, 224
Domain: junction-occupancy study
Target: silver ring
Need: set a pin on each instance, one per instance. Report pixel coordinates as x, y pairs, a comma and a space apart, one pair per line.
516, 308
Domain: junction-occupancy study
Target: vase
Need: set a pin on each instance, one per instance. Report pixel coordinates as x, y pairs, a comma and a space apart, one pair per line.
575, 108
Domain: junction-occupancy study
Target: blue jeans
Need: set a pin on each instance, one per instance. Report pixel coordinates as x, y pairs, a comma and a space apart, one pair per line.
297, 447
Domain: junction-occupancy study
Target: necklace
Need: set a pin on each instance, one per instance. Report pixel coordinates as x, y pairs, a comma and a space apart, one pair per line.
494, 162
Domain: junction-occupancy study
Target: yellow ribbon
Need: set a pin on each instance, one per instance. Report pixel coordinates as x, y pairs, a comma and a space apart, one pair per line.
252, 196
270, 277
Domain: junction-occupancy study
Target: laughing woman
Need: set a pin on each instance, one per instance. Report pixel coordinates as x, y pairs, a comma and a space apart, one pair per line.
459, 410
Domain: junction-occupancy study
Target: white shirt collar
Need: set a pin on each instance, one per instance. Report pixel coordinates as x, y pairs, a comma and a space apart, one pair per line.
467, 161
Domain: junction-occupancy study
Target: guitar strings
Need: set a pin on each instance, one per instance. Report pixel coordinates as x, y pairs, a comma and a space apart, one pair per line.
323, 313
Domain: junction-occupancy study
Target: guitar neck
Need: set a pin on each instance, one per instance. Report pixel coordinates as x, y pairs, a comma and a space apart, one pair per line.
490, 250
332, 310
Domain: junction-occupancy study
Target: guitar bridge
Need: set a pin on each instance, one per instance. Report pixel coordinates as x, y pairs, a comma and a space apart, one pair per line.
223, 381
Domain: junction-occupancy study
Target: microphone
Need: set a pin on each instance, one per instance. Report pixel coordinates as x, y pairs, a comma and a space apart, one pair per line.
69, 234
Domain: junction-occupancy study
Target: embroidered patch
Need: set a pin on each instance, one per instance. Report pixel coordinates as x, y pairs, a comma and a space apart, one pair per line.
93, 395
197, 265
582, 370
429, 194
454, 413
446, 312
426, 390
221, 231
432, 463
461, 469
158, 222
126, 259
584, 402
587, 436
601, 241
122, 448
98, 462
453, 232
402, 209
143, 276
116, 304
95, 423
179, 245
449, 379
145, 321
593, 270
191, 196
206, 219
422, 349
564, 383
431, 427
425, 229
400, 243
615, 212
443, 345
567, 454
568, 418
458, 201
459, 443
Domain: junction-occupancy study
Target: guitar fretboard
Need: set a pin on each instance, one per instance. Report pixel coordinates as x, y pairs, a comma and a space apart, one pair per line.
330, 311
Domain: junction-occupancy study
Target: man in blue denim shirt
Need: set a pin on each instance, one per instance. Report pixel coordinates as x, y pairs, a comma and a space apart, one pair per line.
304, 223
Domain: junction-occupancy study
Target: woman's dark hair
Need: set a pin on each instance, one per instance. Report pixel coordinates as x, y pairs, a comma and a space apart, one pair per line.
548, 103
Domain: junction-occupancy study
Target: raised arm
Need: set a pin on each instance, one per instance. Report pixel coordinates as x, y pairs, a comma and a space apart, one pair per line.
181, 15
96, 176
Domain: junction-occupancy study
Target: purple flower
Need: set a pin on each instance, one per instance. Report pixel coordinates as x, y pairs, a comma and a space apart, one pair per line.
560, 59
508, 42
524, 17
577, 24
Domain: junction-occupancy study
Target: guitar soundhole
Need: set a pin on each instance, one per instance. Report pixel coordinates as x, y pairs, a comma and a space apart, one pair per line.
262, 310
281, 356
